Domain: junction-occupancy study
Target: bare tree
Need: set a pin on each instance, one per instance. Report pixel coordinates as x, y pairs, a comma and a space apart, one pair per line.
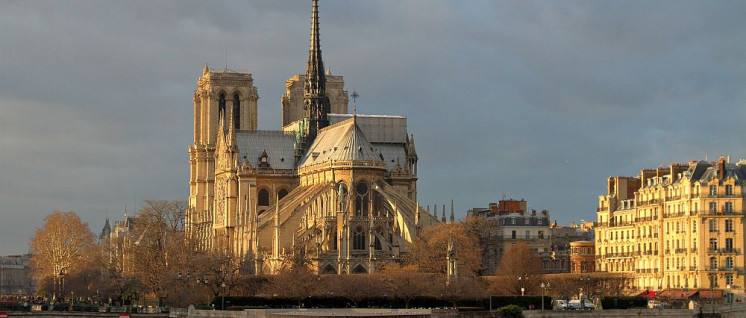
462, 288
430, 247
297, 283
60, 246
406, 282
353, 287
159, 247
609, 284
520, 267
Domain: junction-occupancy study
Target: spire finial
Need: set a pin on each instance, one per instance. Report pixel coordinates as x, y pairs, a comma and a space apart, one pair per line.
314, 91
355, 95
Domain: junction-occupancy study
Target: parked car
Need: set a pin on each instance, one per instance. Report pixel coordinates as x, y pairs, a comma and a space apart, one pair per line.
656, 304
560, 304
577, 304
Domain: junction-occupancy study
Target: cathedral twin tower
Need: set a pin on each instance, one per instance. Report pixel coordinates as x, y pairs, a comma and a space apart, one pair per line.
336, 189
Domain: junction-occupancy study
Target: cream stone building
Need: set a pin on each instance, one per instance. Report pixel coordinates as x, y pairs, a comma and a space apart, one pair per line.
336, 189
676, 227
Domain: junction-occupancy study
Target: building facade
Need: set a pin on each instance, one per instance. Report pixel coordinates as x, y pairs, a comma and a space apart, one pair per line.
582, 257
15, 276
680, 226
339, 190
511, 222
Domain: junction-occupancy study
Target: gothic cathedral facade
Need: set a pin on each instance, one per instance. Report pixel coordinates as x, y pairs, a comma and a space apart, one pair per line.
336, 190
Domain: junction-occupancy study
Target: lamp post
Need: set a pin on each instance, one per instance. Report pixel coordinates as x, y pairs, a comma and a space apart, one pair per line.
62, 285
223, 298
712, 296
521, 280
580, 294
543, 291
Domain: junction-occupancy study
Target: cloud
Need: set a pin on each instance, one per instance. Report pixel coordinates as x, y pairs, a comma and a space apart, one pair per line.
535, 100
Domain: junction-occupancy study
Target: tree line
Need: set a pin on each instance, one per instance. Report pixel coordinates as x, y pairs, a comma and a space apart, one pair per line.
156, 261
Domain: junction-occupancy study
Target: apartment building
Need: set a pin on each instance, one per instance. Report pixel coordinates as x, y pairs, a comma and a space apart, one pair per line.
680, 226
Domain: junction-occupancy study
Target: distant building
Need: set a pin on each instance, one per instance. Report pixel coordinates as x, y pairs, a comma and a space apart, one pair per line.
558, 259
15, 275
511, 223
582, 257
680, 226
118, 241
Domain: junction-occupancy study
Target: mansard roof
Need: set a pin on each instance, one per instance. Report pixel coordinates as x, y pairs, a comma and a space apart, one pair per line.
344, 141
278, 145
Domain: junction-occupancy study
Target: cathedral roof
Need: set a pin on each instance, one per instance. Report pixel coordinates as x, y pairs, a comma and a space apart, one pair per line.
378, 128
344, 141
278, 145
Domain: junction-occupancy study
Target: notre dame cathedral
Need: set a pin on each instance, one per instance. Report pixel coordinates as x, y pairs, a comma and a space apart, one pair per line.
337, 189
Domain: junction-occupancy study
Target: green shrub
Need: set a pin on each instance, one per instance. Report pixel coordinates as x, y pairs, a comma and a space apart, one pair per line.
511, 311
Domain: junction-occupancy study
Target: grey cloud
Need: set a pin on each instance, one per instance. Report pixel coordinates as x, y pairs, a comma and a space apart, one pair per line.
535, 100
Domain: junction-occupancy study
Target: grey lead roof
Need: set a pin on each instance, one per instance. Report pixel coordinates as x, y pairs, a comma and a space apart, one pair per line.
342, 141
279, 147
378, 128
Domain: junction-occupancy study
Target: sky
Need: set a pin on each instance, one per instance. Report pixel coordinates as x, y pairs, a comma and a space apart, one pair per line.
535, 100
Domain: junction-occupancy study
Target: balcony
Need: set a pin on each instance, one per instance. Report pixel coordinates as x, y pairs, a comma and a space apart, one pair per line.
680, 251
649, 202
644, 219
723, 251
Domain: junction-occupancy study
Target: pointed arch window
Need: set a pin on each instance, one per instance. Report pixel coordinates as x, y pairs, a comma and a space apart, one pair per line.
263, 197
282, 193
358, 239
221, 104
362, 199
359, 269
236, 112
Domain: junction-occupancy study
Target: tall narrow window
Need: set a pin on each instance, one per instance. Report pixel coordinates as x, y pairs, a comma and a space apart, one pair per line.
713, 263
728, 190
358, 239
221, 105
728, 207
263, 197
713, 190
362, 199
236, 112
729, 225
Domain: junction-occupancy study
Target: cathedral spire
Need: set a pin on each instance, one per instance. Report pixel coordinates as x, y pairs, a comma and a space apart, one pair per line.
316, 102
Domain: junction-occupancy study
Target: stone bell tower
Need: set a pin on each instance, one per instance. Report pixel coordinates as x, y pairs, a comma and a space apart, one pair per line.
222, 93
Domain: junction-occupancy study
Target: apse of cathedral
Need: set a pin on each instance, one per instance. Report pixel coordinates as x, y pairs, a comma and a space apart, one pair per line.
337, 190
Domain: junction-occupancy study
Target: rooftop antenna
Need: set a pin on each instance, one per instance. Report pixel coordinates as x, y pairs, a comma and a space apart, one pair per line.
226, 55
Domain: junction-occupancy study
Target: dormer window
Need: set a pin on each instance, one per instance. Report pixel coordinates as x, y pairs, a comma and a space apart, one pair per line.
264, 160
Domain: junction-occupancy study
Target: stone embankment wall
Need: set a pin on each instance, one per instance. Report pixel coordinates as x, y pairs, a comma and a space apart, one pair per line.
73, 314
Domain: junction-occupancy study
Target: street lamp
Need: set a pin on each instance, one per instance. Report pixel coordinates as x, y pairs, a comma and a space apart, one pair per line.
586, 279
62, 285
543, 291
223, 298
521, 280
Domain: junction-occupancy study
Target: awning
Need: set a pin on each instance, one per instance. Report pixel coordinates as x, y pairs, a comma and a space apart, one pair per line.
677, 293
649, 294
707, 294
